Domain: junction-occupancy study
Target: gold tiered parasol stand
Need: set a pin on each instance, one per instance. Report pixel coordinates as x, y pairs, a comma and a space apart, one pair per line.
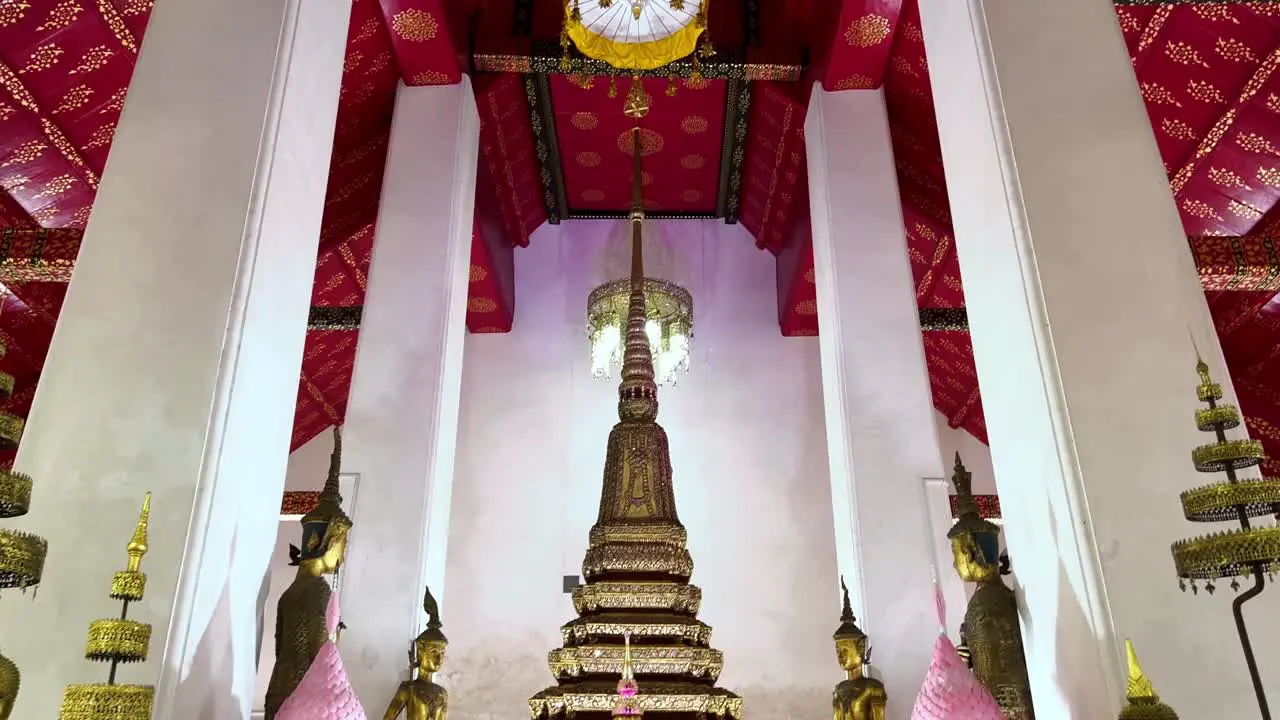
1247, 552
115, 641
21, 554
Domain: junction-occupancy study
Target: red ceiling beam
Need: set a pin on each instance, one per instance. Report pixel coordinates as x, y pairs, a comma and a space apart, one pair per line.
858, 53
424, 49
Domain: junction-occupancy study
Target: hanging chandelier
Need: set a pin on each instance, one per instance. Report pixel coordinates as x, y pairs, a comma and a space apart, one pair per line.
669, 325
637, 36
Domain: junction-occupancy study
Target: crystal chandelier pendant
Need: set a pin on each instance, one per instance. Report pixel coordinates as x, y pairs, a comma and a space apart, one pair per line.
669, 309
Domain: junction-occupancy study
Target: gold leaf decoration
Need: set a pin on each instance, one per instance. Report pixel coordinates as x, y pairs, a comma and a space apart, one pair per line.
415, 25
1177, 129
1205, 92
1234, 50
1184, 54
1226, 178
1158, 95
868, 31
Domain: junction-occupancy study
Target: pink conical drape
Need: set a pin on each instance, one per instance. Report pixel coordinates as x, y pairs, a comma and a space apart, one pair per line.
325, 692
951, 691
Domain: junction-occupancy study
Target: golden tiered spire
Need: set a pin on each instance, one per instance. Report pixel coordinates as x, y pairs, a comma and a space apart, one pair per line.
1142, 702
117, 640
637, 566
1249, 551
21, 554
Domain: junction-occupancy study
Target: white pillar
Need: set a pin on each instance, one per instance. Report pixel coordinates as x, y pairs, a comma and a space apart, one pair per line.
881, 437
402, 415
175, 362
1083, 304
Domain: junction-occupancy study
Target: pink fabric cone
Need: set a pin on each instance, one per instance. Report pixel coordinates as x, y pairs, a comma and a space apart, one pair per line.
951, 691
325, 692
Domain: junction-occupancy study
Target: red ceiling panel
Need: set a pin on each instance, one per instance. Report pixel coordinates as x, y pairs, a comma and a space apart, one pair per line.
681, 142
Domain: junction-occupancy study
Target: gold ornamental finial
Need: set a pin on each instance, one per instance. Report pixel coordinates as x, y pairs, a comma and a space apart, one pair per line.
138, 543
627, 704
1142, 701
637, 104
117, 640
969, 520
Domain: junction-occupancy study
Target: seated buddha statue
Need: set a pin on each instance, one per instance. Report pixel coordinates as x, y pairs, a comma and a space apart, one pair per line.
857, 697
992, 629
302, 627
419, 698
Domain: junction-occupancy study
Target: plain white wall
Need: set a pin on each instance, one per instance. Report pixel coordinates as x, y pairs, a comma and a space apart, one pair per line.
748, 449
975, 454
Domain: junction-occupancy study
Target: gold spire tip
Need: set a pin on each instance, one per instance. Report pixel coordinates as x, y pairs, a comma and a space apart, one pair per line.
1139, 686
138, 543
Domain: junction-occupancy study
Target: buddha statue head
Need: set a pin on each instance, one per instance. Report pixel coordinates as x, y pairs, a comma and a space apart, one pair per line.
853, 650
325, 528
975, 542
428, 648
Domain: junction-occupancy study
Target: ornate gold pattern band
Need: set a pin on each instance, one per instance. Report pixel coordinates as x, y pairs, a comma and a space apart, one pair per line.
665, 533
656, 697
637, 557
115, 639
638, 595
694, 632
552, 65
15, 493
1222, 416
10, 431
1234, 454
128, 585
944, 319
107, 702
1222, 502
698, 662
21, 559
346, 317
1227, 554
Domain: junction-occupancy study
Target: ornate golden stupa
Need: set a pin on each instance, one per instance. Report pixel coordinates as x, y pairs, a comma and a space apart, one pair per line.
117, 640
21, 554
637, 613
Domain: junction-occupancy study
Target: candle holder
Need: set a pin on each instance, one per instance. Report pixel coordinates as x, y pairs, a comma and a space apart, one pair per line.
1248, 552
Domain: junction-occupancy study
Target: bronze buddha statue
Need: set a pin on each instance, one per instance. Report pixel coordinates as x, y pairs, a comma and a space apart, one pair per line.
992, 633
419, 698
301, 628
857, 697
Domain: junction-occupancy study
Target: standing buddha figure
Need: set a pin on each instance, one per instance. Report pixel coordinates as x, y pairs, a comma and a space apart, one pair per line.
992, 632
857, 697
302, 628
419, 698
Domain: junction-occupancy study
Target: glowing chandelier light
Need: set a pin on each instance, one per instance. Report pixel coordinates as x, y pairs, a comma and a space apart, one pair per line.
669, 309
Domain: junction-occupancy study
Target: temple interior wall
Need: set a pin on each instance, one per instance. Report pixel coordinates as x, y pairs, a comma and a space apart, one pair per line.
748, 447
